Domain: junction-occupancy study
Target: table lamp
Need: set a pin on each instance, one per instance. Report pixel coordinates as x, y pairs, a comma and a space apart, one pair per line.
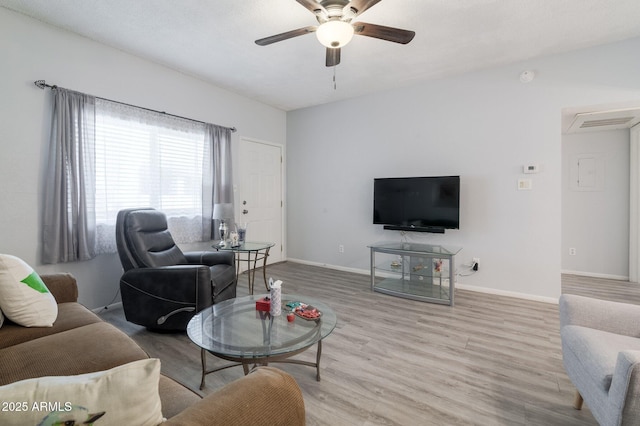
221, 212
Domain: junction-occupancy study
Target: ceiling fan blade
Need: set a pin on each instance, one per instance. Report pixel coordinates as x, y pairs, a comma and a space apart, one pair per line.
333, 56
313, 6
284, 36
361, 5
385, 33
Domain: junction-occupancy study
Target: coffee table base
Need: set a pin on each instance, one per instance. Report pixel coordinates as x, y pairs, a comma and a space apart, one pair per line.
245, 362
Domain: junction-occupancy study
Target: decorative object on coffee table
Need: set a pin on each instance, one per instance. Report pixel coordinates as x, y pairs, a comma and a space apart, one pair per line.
276, 297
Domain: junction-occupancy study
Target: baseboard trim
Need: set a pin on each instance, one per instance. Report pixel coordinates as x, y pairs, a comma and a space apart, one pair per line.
486, 290
506, 293
596, 275
328, 266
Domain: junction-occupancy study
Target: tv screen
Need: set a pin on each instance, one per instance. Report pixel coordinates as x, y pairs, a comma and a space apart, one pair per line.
429, 204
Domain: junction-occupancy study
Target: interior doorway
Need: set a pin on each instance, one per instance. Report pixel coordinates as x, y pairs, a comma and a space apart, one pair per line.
595, 192
259, 199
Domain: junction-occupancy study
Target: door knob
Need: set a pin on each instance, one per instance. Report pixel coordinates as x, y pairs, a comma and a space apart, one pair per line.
245, 211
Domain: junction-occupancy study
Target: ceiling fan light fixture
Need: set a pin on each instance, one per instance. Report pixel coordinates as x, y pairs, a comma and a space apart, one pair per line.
335, 34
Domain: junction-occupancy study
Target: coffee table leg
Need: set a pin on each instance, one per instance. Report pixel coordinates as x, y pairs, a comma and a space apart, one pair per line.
318, 360
203, 357
245, 367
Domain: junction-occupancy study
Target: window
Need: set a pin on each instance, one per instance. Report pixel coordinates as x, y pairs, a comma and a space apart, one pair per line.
147, 159
105, 156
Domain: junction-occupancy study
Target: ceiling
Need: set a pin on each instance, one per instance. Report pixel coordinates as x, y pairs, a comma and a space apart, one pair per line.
214, 40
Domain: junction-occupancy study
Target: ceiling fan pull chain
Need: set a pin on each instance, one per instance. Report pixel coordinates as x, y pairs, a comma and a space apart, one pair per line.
334, 77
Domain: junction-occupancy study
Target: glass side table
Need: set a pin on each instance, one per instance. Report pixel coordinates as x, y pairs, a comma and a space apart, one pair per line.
254, 251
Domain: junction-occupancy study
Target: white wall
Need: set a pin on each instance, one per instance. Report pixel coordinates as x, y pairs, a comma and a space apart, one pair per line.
483, 126
30, 50
596, 223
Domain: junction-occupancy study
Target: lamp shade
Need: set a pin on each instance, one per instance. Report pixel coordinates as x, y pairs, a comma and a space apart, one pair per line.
222, 211
334, 34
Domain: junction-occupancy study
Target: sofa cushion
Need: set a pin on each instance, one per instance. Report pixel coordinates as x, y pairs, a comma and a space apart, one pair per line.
265, 397
596, 351
123, 395
175, 397
63, 286
24, 298
70, 315
86, 349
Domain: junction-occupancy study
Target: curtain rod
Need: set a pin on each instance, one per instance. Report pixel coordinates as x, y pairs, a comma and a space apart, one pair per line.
42, 85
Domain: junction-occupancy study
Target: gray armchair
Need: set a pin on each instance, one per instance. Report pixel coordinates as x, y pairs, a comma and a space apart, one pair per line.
601, 355
162, 287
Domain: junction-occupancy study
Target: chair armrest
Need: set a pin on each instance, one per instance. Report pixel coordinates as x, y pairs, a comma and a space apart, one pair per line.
210, 258
614, 317
266, 397
62, 286
184, 283
624, 392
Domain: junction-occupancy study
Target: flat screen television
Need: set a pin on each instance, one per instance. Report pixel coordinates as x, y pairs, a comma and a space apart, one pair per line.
422, 204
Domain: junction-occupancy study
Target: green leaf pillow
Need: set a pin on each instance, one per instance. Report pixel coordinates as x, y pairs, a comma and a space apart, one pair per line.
24, 298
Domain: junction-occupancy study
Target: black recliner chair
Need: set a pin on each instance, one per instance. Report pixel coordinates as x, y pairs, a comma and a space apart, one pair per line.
163, 288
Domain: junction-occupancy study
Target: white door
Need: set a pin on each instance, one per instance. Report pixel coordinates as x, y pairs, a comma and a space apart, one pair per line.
259, 198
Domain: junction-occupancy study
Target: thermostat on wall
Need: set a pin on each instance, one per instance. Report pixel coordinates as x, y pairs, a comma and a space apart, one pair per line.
530, 168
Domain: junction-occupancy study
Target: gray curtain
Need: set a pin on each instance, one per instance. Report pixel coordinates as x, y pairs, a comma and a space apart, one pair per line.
217, 182
68, 214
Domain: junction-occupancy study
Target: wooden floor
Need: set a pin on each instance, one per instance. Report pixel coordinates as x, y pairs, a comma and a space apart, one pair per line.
599, 288
489, 360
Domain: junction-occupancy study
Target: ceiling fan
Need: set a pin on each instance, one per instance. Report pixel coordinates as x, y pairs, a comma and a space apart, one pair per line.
336, 28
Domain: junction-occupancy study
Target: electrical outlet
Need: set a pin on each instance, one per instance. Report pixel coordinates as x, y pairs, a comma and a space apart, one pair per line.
476, 263
340, 248
572, 251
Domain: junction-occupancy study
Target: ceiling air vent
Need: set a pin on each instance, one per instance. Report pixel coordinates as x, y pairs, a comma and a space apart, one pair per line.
605, 120
622, 121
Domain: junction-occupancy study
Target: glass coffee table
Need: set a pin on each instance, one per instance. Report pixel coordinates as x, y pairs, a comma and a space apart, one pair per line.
235, 331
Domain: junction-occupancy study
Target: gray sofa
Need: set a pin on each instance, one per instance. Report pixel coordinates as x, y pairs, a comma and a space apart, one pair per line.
601, 355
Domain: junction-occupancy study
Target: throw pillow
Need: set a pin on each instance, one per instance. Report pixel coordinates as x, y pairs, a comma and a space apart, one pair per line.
24, 298
125, 395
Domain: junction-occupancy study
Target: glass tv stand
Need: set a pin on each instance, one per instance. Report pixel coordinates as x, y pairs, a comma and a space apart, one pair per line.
415, 271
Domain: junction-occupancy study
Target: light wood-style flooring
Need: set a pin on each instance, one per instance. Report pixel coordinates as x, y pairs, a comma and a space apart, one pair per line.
489, 360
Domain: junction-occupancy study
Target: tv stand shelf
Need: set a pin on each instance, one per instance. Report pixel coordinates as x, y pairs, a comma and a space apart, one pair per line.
415, 271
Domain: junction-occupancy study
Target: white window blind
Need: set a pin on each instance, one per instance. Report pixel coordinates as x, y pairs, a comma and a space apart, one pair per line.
147, 159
